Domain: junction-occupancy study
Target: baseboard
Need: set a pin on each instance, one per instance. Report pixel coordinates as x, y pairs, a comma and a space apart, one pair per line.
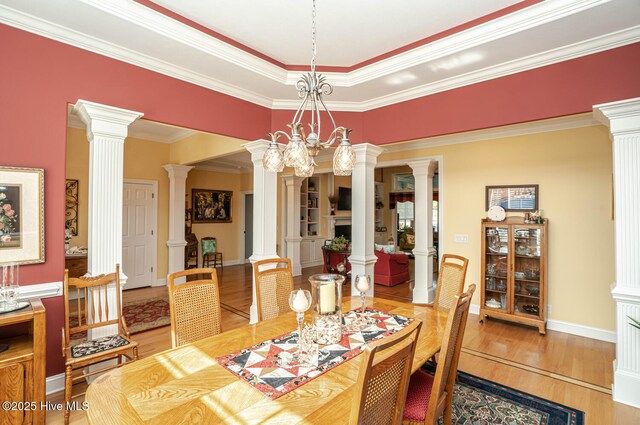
55, 383
160, 282
569, 328
228, 262
41, 290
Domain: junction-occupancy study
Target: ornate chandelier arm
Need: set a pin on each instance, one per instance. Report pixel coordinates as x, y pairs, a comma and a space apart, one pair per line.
303, 93
275, 136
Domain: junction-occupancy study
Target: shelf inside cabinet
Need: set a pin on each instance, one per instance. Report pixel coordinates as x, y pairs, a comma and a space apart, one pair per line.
535, 297
495, 290
530, 257
527, 280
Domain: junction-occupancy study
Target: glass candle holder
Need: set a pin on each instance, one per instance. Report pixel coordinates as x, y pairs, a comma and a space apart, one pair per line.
326, 295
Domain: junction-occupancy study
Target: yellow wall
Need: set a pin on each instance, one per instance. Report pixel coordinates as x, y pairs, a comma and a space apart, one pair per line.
573, 169
203, 146
227, 234
143, 159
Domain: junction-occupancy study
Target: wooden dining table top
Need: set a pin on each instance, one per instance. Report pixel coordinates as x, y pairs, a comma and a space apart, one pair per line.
186, 384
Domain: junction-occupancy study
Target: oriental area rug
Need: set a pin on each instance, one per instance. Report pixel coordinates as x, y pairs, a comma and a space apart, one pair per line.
139, 316
480, 402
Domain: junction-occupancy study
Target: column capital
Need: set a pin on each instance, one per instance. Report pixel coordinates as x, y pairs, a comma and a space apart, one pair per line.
257, 149
423, 166
367, 153
292, 180
104, 120
177, 171
622, 117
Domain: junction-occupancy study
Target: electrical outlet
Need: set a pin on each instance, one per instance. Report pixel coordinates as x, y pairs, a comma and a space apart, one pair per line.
548, 308
461, 238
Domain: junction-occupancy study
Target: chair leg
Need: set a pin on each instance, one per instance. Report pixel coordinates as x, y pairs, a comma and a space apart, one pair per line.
446, 415
68, 388
221, 263
135, 353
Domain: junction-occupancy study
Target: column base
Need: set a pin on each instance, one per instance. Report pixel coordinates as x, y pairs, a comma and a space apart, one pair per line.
423, 290
625, 387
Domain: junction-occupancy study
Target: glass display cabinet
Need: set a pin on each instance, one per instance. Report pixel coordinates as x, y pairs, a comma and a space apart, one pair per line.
514, 271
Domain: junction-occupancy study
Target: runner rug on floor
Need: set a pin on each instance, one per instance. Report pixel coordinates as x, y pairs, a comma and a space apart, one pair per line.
139, 316
480, 402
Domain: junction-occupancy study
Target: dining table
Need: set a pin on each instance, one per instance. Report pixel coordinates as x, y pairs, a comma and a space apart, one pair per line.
186, 385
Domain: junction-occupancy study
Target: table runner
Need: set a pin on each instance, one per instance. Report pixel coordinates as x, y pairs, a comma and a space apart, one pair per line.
257, 365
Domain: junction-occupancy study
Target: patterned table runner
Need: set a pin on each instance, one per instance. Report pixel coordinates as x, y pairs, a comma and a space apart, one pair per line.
258, 365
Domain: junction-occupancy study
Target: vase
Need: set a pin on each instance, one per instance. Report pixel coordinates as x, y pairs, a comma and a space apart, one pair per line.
326, 304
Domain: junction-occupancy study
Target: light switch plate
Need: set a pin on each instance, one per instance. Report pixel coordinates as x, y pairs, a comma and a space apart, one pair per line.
461, 238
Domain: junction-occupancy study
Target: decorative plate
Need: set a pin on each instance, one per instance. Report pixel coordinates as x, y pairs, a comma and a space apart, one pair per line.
496, 213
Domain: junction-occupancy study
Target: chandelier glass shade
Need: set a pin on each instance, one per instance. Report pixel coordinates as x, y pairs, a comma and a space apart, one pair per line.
302, 149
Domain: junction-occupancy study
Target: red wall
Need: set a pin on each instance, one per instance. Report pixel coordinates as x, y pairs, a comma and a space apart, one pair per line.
564, 88
39, 77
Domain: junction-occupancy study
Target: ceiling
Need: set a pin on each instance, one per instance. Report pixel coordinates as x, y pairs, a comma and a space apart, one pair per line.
349, 31
281, 29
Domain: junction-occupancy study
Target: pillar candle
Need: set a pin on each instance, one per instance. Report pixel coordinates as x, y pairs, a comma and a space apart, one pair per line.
327, 297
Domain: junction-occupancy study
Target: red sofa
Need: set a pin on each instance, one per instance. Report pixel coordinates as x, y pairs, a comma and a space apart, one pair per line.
391, 269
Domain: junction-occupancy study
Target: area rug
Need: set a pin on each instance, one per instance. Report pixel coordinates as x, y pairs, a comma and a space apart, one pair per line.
477, 401
140, 316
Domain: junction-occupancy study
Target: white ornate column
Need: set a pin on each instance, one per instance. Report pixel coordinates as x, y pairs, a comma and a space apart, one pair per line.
265, 207
423, 290
177, 193
362, 257
293, 237
107, 127
623, 120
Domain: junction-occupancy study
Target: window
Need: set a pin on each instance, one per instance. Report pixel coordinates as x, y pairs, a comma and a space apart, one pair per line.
404, 182
405, 214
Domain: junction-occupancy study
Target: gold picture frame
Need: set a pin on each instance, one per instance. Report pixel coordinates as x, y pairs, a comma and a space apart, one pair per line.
21, 215
211, 206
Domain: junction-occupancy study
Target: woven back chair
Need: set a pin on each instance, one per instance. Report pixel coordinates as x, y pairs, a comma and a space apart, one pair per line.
453, 270
430, 397
195, 306
274, 283
92, 309
383, 378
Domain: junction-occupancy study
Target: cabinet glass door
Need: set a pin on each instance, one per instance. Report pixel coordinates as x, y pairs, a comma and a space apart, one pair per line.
526, 276
496, 260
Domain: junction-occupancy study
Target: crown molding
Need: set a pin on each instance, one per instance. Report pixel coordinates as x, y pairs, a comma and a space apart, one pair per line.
38, 26
218, 169
535, 127
504, 26
573, 51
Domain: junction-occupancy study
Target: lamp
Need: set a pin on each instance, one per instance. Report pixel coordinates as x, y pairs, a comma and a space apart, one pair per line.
302, 149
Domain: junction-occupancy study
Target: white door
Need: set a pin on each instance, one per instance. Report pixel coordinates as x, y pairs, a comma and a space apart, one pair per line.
137, 234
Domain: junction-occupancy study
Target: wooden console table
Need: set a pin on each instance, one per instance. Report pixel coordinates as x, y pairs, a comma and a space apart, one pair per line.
22, 366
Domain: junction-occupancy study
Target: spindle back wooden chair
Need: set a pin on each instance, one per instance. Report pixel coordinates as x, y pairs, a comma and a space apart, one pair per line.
96, 304
383, 379
274, 283
194, 306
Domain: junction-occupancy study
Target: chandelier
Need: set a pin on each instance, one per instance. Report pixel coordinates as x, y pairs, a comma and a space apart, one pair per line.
302, 148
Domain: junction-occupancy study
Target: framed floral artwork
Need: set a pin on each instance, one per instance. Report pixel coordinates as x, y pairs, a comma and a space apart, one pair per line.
21, 215
211, 206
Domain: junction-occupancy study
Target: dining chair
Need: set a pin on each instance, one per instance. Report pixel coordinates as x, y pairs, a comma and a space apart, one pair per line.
91, 309
210, 253
274, 283
194, 306
451, 277
383, 378
430, 397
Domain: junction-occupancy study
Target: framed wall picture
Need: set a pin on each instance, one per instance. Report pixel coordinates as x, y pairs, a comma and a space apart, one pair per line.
211, 206
71, 213
21, 215
513, 198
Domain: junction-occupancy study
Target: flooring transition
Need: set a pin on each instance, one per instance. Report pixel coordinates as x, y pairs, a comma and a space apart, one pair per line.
567, 369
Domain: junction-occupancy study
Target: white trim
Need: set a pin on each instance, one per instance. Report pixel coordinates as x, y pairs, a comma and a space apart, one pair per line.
54, 384
160, 282
41, 290
219, 169
535, 127
517, 22
154, 222
569, 328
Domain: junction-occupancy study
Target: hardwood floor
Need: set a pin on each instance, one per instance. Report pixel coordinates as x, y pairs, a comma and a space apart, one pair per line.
567, 369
